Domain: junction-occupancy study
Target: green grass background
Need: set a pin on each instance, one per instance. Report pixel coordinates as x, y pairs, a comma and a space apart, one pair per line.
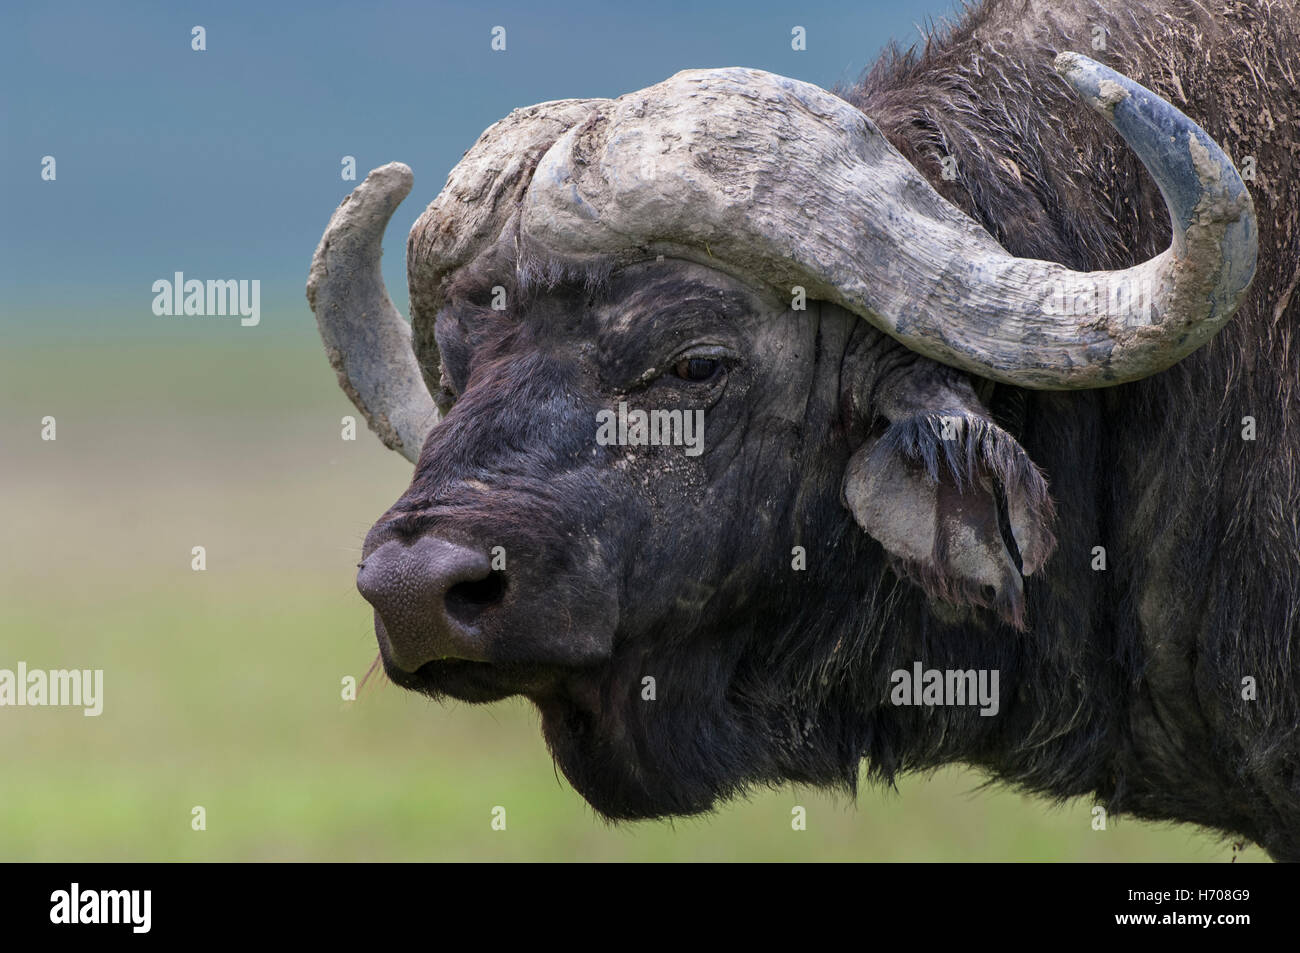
222, 688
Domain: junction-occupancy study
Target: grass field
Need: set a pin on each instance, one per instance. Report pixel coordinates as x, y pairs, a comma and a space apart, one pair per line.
222, 687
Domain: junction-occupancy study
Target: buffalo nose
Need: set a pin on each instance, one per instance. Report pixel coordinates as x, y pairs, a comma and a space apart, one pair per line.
428, 597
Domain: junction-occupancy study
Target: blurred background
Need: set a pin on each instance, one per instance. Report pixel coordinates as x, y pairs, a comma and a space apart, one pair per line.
223, 687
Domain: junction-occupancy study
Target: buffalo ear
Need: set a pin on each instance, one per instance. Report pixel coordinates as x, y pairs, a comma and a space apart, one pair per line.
958, 505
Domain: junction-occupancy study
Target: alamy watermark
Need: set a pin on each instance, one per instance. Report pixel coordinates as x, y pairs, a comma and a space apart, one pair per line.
1128, 297
225, 296
651, 428
53, 688
131, 907
922, 686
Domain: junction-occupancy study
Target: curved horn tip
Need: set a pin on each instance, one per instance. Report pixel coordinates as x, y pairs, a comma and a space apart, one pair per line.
1152, 127
366, 340
391, 178
1091, 80
1208, 202
363, 214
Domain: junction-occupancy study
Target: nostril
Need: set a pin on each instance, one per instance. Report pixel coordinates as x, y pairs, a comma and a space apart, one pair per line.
466, 601
431, 596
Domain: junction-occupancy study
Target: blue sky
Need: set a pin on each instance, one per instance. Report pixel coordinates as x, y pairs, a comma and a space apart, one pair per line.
225, 163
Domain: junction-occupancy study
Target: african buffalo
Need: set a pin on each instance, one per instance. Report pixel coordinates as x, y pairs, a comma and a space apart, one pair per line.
974, 401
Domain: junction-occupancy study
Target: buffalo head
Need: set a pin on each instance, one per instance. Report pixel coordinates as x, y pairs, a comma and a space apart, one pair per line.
706, 429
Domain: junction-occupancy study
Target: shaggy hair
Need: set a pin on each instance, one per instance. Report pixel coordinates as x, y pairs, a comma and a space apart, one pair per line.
1200, 526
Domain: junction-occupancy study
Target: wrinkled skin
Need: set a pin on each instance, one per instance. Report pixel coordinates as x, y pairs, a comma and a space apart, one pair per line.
627, 562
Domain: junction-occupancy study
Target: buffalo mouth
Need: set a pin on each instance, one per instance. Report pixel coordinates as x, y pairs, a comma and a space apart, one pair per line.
474, 682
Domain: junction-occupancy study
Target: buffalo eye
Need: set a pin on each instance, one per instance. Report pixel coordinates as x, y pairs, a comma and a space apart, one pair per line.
697, 369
